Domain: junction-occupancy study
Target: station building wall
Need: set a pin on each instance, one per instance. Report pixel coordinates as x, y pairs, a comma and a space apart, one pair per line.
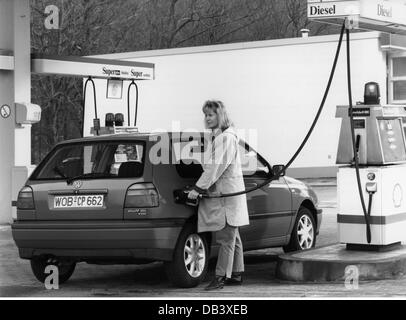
274, 87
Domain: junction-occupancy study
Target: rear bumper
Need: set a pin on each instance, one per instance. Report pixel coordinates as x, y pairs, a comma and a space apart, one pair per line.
149, 240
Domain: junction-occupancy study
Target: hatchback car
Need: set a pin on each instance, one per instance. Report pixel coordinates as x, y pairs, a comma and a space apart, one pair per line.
110, 200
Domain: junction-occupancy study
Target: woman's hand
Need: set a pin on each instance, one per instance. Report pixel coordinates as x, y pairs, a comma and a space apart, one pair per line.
193, 195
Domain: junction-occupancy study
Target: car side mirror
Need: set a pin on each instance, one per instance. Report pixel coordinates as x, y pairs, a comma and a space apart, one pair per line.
278, 170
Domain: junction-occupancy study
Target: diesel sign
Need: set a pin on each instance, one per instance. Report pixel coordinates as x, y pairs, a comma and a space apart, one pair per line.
384, 12
322, 11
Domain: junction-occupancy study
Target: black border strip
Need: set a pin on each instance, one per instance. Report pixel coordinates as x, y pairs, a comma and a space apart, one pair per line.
377, 220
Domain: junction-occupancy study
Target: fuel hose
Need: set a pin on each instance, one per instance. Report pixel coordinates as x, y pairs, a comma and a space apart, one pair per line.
136, 103
281, 173
354, 144
84, 102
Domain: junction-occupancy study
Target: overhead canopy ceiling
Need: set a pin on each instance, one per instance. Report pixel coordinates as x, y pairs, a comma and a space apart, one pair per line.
92, 67
381, 15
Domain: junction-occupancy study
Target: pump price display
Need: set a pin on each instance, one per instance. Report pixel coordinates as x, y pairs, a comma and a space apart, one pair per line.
79, 201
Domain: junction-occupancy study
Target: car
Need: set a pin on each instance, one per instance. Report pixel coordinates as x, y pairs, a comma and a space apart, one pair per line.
109, 199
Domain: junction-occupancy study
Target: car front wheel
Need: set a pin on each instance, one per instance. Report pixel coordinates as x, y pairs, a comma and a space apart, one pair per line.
190, 260
303, 235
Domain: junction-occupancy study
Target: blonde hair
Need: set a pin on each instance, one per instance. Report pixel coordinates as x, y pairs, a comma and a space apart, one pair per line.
219, 108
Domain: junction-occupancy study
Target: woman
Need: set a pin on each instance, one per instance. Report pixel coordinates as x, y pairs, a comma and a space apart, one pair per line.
222, 174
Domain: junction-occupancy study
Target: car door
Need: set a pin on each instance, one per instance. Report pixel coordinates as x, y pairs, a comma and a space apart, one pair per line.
270, 207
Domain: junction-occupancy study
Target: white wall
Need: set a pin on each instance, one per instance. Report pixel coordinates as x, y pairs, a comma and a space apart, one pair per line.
275, 88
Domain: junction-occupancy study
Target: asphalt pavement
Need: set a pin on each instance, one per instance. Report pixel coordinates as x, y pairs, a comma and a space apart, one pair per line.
17, 280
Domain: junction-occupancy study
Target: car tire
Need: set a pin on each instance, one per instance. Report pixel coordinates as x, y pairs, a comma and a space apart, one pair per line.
65, 269
303, 236
190, 259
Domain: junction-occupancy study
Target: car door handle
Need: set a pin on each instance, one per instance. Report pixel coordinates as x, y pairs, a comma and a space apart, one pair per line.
251, 185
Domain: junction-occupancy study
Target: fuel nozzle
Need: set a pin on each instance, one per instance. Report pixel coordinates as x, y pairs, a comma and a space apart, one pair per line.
119, 119
96, 125
109, 120
181, 197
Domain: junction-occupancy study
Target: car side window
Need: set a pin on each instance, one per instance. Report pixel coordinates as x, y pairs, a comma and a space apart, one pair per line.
125, 153
188, 157
251, 164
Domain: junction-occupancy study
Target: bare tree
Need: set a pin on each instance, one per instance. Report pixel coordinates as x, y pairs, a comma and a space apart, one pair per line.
90, 27
85, 28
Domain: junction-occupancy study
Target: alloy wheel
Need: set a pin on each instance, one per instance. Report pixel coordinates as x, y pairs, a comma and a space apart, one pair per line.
194, 255
305, 232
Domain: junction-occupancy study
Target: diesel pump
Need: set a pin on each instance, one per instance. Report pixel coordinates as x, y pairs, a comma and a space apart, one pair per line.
376, 169
372, 148
371, 151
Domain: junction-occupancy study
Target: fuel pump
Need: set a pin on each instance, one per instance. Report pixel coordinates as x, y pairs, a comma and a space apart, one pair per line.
380, 151
114, 122
372, 142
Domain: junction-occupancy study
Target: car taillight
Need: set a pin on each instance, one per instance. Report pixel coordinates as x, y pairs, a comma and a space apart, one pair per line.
25, 199
141, 195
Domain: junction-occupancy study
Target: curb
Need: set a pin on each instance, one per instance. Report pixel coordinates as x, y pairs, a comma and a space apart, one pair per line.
306, 267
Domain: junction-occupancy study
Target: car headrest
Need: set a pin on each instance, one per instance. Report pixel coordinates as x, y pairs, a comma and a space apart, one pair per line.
130, 169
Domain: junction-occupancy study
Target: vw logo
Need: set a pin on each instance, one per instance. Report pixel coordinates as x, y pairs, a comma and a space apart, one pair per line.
77, 184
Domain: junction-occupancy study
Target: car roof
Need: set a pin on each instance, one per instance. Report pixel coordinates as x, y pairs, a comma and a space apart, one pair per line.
129, 136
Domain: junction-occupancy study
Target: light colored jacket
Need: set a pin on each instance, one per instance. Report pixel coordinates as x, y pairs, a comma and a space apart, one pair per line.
222, 174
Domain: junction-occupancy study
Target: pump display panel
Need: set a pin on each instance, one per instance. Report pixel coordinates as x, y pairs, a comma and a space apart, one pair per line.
392, 140
379, 134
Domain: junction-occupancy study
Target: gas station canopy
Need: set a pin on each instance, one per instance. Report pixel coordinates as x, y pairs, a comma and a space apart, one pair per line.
92, 67
381, 15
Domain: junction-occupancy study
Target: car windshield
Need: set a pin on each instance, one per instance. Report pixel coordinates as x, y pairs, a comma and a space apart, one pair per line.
93, 160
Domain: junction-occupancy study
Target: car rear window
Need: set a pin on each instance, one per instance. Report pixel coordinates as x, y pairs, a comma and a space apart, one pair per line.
93, 160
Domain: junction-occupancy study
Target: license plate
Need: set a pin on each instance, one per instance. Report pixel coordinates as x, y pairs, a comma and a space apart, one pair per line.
79, 201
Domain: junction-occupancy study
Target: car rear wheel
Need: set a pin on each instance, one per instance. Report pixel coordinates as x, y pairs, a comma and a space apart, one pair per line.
65, 268
303, 235
190, 260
